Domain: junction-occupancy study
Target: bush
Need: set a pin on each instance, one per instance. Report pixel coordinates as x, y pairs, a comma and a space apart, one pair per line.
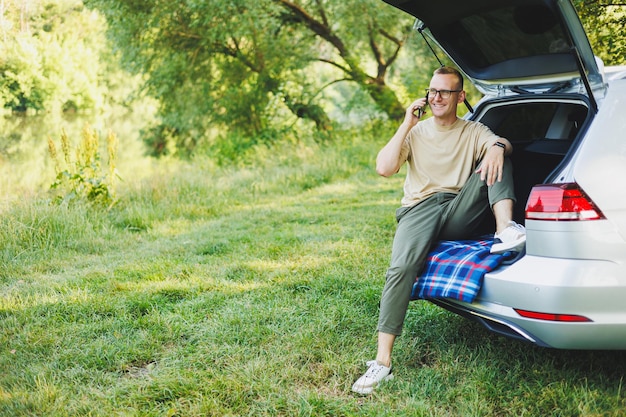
84, 179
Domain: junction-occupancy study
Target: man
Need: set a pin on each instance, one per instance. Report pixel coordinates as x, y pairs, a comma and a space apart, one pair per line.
457, 170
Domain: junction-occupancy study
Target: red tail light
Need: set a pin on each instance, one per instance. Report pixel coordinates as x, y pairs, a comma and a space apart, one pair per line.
561, 202
569, 318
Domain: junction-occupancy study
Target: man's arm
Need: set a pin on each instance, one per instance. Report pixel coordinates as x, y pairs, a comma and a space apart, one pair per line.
388, 159
491, 167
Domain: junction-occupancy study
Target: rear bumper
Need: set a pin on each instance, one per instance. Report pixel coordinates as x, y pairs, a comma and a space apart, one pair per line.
594, 289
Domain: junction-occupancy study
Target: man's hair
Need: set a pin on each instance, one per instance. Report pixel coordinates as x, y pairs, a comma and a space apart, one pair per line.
452, 71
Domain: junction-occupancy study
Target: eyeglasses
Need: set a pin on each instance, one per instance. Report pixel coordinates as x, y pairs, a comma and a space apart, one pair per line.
443, 93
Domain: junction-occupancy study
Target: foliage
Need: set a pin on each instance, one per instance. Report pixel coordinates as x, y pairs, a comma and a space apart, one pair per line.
83, 178
254, 66
247, 66
253, 71
252, 292
604, 22
52, 56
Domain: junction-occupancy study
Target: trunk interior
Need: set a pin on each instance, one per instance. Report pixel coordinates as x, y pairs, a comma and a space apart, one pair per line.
542, 132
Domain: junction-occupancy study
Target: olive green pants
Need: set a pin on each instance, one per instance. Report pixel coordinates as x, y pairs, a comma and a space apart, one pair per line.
443, 216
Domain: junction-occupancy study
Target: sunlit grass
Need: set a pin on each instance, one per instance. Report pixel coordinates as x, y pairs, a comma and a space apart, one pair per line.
250, 292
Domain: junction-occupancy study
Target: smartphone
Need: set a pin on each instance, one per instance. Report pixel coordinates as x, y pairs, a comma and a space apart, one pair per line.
422, 110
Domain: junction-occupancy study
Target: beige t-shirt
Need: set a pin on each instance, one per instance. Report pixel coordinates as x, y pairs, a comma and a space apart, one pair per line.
442, 158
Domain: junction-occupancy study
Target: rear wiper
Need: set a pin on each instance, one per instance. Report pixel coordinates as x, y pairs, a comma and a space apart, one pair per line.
559, 87
555, 89
518, 90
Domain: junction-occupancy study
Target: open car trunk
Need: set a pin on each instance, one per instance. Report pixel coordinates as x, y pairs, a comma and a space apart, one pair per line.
534, 64
544, 131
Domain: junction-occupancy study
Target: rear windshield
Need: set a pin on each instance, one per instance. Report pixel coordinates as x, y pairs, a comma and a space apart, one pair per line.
509, 33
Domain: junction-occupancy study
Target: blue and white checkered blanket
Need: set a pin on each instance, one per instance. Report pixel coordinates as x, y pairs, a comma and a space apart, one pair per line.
455, 269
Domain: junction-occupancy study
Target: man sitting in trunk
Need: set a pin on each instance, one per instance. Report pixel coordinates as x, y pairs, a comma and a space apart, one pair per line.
457, 172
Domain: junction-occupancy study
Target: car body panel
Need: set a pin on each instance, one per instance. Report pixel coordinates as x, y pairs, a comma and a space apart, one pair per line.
603, 155
593, 239
567, 286
599, 335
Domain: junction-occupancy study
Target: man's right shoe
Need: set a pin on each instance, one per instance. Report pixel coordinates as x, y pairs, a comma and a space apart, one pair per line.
513, 239
375, 374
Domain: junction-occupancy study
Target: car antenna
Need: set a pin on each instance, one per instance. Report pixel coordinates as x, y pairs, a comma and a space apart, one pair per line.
419, 26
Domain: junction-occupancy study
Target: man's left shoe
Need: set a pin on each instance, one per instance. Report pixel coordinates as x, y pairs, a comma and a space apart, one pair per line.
513, 239
375, 374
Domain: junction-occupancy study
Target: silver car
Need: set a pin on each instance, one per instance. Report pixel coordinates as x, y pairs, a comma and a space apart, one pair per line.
546, 92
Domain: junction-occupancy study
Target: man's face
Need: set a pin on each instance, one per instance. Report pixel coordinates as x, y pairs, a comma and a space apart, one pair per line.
445, 107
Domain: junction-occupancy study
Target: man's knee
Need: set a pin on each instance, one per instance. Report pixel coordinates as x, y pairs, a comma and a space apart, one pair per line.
403, 273
505, 189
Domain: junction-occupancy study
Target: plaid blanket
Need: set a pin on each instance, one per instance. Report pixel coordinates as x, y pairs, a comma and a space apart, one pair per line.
455, 269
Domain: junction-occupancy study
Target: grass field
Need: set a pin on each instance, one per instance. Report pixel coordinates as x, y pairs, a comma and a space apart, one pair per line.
251, 291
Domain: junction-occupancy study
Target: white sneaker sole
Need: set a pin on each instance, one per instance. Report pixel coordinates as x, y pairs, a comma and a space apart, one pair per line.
368, 390
515, 246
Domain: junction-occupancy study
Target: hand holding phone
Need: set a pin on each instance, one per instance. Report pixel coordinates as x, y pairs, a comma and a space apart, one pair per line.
422, 110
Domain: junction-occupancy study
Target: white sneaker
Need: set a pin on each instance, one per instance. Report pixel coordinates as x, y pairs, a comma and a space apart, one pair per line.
513, 238
375, 374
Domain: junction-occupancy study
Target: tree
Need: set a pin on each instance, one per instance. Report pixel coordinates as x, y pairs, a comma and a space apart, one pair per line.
604, 22
245, 65
245, 69
50, 56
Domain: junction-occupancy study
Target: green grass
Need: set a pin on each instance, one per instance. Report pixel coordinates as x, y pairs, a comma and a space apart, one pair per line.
251, 292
